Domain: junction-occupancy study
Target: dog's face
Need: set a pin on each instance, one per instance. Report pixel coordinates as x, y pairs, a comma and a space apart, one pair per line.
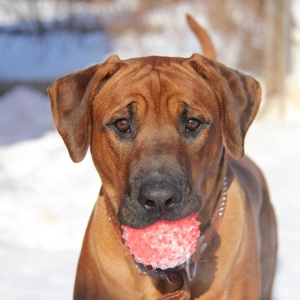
155, 133
157, 128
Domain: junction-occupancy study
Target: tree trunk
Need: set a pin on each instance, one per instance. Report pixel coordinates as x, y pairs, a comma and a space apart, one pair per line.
275, 53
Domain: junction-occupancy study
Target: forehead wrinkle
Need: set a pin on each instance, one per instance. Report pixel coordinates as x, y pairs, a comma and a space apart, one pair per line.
168, 94
155, 88
190, 94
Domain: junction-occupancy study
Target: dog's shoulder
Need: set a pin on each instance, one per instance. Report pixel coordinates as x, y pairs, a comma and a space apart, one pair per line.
250, 178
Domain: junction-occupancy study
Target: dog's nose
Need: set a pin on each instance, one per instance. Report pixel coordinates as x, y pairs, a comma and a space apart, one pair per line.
159, 195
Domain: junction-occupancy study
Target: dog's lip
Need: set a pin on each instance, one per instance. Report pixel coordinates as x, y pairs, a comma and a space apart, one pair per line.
148, 270
158, 273
157, 217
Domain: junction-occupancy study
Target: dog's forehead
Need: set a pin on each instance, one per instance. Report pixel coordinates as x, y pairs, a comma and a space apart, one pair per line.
163, 75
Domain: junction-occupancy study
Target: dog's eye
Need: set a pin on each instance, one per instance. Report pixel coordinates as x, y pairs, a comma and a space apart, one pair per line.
122, 125
192, 125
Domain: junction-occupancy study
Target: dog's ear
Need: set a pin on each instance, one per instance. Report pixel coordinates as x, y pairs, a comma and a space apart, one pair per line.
71, 100
239, 97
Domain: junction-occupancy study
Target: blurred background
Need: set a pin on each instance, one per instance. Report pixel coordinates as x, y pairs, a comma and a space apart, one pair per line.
46, 200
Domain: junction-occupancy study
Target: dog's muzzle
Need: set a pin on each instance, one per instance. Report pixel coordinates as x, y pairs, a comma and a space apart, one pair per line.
158, 196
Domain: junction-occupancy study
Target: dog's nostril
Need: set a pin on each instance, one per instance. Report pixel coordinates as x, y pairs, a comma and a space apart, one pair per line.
170, 203
150, 204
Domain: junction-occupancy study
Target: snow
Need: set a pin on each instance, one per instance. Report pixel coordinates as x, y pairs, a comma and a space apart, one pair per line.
46, 200
275, 146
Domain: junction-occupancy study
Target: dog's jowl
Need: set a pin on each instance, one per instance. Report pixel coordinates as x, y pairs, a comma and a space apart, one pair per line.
182, 213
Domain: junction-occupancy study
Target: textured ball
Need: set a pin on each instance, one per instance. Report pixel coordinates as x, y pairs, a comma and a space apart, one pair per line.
164, 244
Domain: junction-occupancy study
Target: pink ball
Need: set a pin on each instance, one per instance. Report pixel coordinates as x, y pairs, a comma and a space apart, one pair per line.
164, 244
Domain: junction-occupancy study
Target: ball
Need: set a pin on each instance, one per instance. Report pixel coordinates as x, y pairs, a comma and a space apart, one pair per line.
164, 244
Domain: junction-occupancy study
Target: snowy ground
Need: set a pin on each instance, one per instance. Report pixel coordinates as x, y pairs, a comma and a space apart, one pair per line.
46, 200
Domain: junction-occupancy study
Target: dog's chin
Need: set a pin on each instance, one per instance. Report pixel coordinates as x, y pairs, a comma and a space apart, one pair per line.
158, 273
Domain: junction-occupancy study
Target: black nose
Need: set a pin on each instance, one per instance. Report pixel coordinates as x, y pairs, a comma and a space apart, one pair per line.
159, 195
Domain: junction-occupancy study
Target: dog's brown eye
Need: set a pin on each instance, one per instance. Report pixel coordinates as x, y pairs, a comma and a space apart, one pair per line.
122, 125
192, 125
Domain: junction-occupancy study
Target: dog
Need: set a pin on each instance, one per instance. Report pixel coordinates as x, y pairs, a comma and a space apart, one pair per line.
166, 135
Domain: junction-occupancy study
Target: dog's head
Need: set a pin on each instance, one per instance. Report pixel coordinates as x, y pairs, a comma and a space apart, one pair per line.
157, 127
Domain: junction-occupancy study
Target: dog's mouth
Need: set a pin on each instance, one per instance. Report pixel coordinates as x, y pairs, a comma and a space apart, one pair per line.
163, 245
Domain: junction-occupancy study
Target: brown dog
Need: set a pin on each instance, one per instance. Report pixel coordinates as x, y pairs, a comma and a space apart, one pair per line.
167, 138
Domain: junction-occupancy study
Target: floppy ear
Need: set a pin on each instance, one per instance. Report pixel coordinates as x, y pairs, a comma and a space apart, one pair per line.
71, 100
239, 96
